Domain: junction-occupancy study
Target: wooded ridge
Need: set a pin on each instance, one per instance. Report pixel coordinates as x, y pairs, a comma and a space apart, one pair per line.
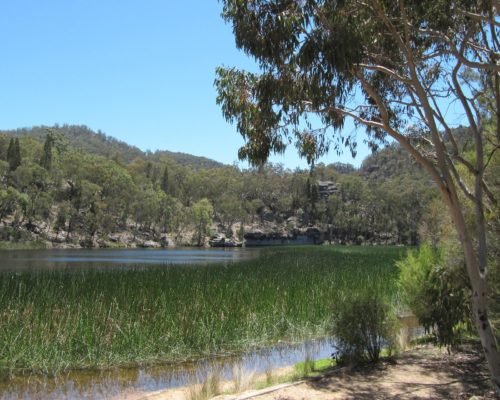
69, 186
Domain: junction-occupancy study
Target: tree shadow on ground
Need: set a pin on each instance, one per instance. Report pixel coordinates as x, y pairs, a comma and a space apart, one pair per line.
418, 374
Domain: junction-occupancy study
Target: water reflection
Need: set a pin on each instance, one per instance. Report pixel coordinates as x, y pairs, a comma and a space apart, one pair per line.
109, 383
18, 260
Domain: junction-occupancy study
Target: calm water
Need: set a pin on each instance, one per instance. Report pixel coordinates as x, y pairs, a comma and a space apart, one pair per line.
111, 383
118, 258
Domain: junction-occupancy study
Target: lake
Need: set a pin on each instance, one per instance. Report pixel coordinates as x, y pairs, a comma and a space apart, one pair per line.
17, 260
102, 384
287, 293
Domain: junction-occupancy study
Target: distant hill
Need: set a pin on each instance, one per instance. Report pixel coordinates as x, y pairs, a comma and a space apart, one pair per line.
390, 162
393, 161
185, 159
83, 138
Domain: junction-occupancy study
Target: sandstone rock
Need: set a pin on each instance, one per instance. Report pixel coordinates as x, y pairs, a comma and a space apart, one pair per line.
150, 244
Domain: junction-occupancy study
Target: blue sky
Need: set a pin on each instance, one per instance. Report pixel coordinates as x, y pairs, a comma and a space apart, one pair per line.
140, 71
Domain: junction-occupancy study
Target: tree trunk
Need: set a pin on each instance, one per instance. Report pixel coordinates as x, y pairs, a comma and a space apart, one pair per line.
488, 340
479, 297
70, 226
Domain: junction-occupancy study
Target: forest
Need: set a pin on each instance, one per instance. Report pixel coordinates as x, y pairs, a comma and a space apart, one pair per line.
67, 186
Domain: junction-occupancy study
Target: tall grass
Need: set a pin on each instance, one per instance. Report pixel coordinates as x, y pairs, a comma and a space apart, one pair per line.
55, 320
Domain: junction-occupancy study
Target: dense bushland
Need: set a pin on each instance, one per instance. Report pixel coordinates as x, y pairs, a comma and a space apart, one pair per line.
68, 184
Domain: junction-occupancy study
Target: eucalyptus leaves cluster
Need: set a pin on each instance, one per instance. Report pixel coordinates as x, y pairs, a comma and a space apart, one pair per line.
321, 62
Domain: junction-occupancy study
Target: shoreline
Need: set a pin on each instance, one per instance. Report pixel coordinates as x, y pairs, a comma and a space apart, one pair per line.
420, 373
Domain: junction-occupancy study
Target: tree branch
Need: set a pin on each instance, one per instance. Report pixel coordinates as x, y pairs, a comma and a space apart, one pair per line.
464, 60
401, 139
386, 71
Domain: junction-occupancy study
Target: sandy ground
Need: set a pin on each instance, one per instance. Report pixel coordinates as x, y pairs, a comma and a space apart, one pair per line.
423, 373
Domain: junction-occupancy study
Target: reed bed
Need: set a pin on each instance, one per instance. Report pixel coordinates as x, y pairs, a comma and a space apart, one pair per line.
98, 318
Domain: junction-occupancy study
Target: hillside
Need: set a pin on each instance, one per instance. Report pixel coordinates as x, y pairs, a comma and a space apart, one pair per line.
83, 138
70, 186
389, 162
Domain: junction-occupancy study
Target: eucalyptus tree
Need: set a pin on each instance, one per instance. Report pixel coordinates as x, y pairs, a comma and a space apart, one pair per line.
229, 210
166, 213
33, 181
201, 217
54, 140
10, 200
393, 67
147, 207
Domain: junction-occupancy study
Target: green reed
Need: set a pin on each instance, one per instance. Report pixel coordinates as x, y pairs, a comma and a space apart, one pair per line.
55, 320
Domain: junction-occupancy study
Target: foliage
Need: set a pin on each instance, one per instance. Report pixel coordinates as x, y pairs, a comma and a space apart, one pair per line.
82, 138
369, 61
10, 201
46, 159
202, 215
164, 180
153, 194
434, 287
363, 323
14, 154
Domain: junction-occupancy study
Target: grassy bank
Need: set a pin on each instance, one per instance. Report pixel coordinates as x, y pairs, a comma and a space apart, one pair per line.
33, 245
53, 320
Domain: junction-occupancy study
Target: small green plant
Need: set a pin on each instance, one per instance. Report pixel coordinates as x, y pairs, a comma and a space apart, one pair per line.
310, 367
363, 324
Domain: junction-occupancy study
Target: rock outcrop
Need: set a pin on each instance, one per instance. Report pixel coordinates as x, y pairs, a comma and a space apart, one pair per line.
310, 235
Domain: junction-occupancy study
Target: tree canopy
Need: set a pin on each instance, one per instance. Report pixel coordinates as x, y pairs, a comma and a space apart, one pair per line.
376, 62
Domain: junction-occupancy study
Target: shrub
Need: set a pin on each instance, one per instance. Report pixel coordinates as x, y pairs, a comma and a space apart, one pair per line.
434, 288
362, 325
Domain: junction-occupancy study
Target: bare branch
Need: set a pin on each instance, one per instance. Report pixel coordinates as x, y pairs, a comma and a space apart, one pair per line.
402, 140
460, 182
346, 112
478, 17
386, 71
493, 67
490, 156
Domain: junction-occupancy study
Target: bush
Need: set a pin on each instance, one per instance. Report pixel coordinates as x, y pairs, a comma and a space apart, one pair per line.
433, 286
362, 325
9, 233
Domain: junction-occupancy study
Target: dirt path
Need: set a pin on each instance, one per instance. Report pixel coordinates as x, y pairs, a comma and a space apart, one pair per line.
423, 373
